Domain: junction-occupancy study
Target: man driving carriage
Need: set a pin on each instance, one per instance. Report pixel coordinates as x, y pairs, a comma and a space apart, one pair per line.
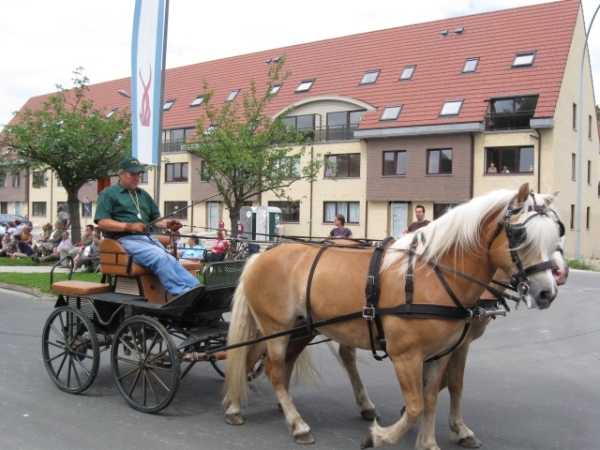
125, 211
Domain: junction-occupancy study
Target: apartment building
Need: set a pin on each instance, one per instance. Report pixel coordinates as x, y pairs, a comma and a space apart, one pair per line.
410, 115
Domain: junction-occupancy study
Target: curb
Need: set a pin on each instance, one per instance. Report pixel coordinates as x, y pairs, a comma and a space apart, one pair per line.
31, 291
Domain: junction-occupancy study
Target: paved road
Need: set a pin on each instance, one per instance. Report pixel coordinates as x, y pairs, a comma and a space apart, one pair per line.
532, 384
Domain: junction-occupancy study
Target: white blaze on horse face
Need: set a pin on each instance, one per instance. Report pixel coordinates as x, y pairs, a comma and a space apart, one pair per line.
542, 287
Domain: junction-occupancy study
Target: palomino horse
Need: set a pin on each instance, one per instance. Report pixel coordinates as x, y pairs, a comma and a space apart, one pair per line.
460, 252
453, 377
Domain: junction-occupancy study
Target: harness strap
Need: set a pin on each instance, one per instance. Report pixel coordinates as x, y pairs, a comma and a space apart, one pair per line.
372, 298
309, 327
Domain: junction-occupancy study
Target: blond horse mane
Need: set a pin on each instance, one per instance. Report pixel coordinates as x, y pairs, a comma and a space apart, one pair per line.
458, 230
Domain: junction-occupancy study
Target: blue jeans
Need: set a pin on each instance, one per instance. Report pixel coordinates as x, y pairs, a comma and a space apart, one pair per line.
147, 251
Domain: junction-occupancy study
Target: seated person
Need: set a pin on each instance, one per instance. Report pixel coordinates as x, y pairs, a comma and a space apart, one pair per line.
124, 212
90, 258
55, 255
52, 241
9, 246
218, 249
194, 251
24, 250
26, 235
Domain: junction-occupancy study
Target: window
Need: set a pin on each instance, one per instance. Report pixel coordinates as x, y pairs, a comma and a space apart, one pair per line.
305, 85
407, 73
3, 179
573, 166
232, 95
197, 101
590, 127
304, 124
291, 165
572, 218
510, 113
16, 180
589, 173
176, 172
394, 163
144, 177
509, 159
290, 211
439, 162
172, 208
470, 65
275, 88
370, 77
86, 210
204, 176
3, 207
587, 218
524, 59
341, 125
350, 210
439, 209
38, 209
168, 104
173, 140
574, 116
343, 166
451, 108
391, 113
39, 179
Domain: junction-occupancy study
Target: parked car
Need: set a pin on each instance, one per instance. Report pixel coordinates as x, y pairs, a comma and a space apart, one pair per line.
5, 218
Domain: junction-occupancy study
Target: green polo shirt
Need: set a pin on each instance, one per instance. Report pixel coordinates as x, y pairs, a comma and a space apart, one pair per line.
117, 203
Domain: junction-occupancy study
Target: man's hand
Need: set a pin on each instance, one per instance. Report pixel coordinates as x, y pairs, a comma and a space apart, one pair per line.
174, 225
136, 227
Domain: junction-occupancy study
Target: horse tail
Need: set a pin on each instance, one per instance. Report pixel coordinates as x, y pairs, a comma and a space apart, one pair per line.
242, 328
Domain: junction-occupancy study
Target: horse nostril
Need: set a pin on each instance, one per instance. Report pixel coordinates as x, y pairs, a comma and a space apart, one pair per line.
545, 299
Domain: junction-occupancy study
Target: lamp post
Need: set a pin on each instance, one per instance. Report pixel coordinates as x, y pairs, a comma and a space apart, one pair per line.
123, 93
580, 144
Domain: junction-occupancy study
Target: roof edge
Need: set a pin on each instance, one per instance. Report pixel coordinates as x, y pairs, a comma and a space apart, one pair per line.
469, 127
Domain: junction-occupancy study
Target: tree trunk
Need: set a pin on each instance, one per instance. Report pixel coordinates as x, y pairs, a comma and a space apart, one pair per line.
73, 203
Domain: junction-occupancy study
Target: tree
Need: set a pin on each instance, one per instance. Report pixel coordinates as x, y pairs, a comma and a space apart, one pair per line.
598, 112
245, 152
72, 138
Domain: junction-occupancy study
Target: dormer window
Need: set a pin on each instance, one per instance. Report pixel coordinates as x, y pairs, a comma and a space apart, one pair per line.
168, 105
370, 77
391, 113
524, 59
232, 95
451, 108
305, 85
470, 65
197, 101
111, 112
275, 88
407, 73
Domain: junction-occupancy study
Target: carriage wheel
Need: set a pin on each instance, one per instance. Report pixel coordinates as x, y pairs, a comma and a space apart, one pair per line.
70, 349
257, 370
145, 364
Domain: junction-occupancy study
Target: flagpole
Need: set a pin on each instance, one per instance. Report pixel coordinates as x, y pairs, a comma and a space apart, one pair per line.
162, 102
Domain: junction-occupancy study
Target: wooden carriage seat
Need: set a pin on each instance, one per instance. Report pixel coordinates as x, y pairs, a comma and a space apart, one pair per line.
80, 288
114, 260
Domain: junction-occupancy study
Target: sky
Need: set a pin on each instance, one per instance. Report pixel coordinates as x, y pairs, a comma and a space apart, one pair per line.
42, 42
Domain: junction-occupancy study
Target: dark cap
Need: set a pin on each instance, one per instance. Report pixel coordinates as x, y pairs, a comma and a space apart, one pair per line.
131, 164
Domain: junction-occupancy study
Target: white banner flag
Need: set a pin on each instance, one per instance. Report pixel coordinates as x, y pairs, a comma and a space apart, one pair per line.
147, 67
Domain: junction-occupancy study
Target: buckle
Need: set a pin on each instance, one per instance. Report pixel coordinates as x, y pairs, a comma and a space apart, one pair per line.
369, 312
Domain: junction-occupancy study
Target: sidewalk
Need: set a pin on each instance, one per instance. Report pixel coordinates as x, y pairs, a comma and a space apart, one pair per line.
31, 269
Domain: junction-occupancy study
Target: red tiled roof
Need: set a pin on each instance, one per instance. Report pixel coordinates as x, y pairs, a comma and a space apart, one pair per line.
339, 64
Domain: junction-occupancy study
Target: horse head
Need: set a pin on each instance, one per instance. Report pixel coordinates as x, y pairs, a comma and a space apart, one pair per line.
524, 245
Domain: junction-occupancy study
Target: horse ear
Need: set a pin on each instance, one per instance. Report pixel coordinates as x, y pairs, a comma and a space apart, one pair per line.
556, 193
523, 193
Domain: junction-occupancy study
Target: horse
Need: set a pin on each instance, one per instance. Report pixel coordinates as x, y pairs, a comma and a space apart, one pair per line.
417, 280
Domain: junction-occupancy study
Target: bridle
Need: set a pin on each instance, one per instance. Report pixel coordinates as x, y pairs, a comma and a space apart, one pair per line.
516, 234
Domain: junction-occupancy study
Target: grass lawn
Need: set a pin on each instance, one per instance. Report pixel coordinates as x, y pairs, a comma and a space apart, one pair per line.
40, 281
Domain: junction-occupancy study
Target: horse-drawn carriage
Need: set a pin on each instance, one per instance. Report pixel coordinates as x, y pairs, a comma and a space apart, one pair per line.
421, 297
149, 334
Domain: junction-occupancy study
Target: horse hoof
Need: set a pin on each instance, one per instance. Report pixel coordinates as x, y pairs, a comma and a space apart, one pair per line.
234, 419
304, 438
469, 442
367, 442
370, 414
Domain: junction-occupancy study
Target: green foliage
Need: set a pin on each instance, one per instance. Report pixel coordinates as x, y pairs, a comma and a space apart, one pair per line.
598, 112
71, 137
580, 264
244, 151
